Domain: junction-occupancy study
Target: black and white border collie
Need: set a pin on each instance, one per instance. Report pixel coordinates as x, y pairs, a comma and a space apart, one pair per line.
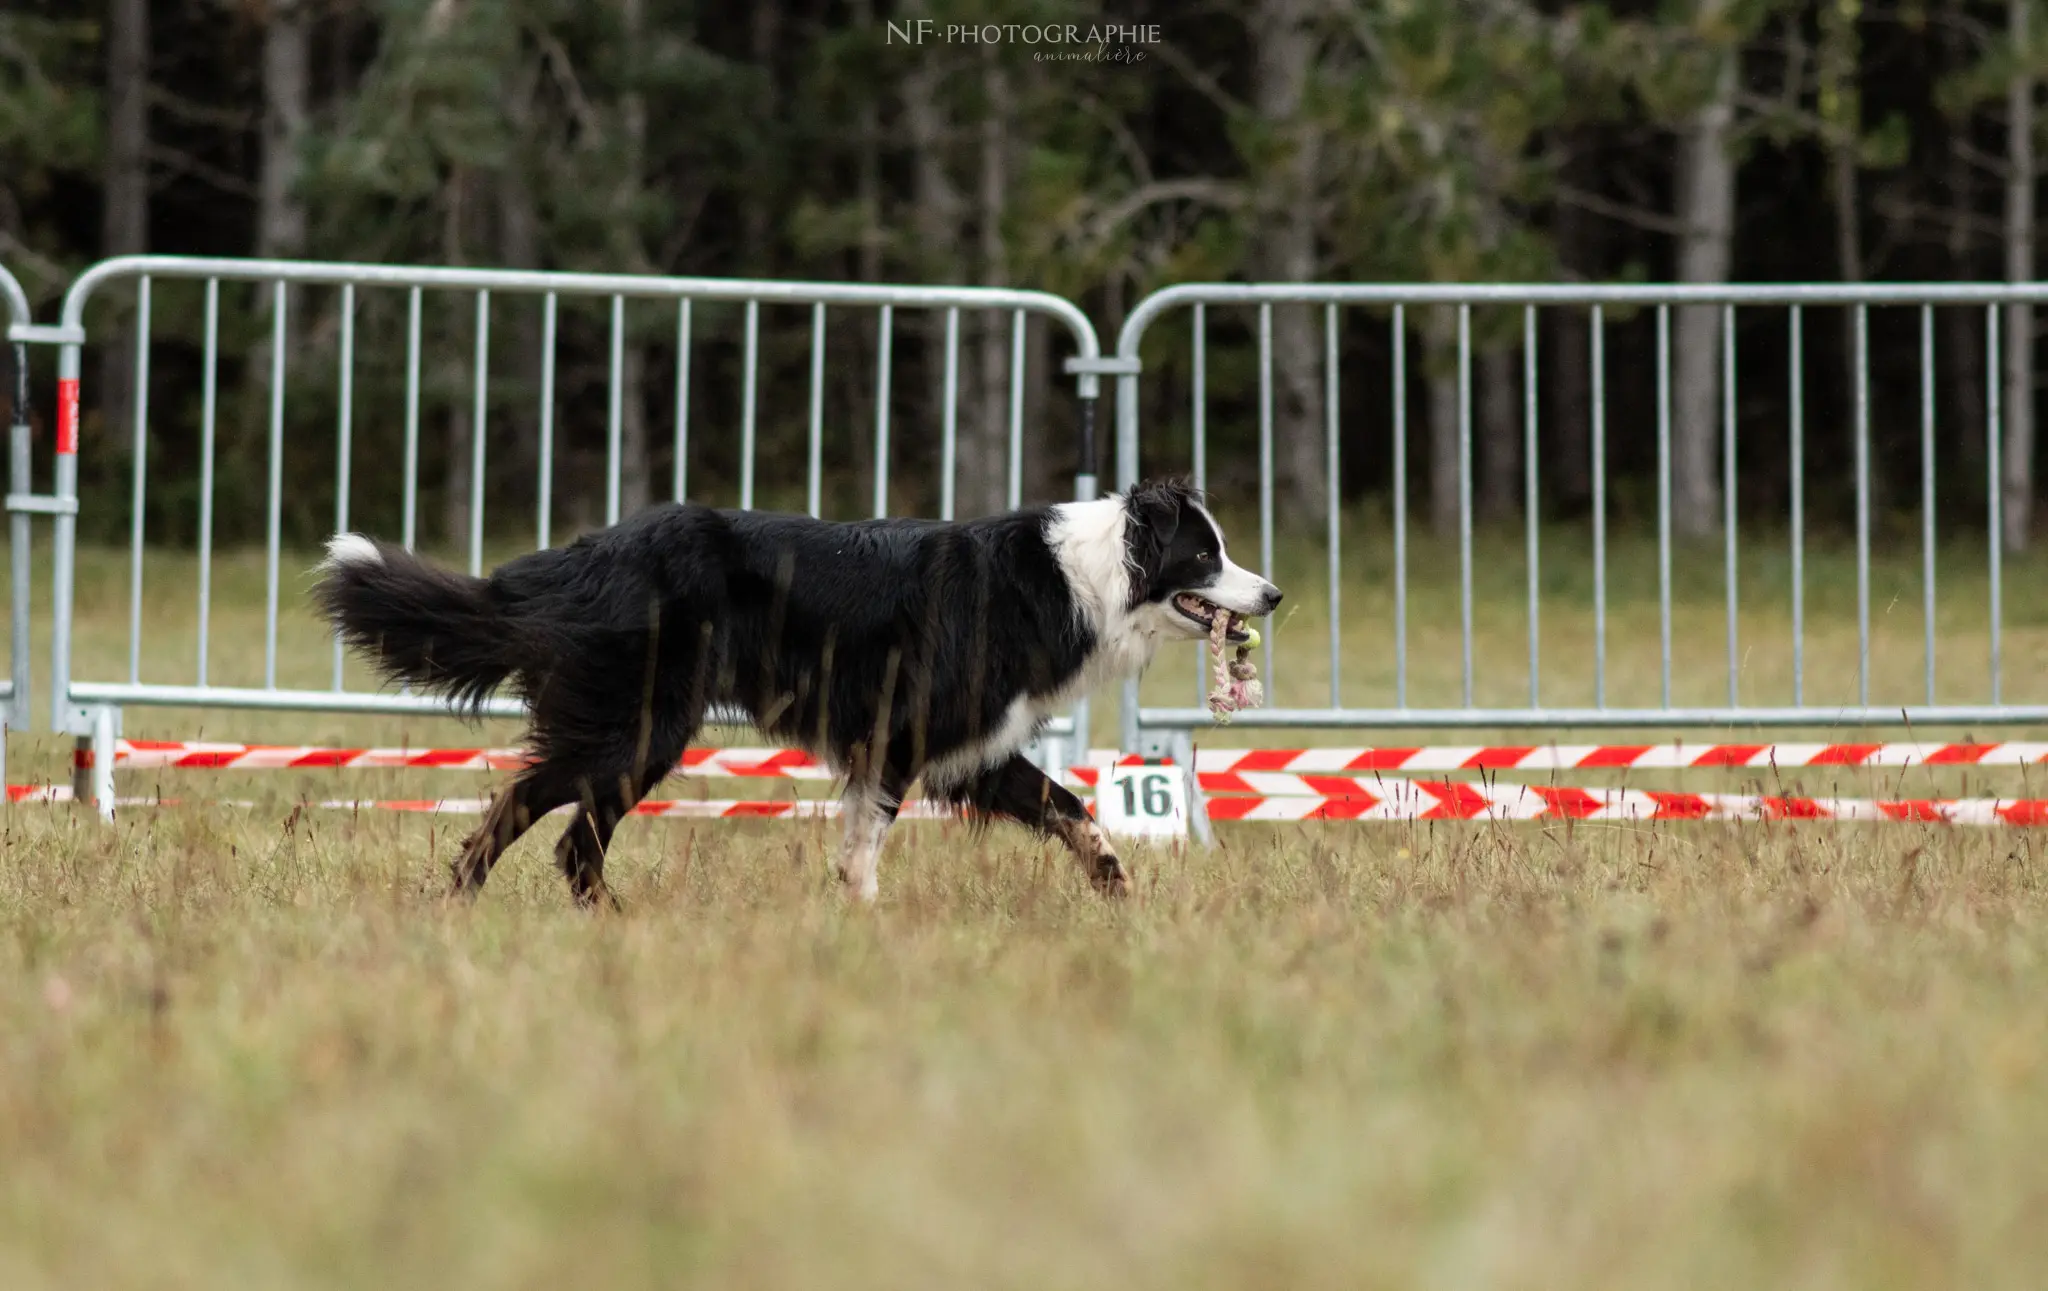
894, 650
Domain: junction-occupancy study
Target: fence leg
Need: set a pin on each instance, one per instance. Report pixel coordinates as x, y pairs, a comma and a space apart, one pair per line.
1198, 806
103, 727
81, 769
92, 764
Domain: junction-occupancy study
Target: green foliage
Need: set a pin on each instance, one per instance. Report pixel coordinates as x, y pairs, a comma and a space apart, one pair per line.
779, 141
49, 133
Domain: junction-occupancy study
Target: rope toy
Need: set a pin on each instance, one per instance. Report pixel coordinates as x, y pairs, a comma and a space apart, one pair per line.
1237, 685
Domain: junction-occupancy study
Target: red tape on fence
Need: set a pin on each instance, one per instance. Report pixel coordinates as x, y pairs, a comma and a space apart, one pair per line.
796, 765
1394, 801
1591, 757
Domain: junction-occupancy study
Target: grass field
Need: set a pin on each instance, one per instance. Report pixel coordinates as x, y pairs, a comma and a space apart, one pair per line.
251, 1047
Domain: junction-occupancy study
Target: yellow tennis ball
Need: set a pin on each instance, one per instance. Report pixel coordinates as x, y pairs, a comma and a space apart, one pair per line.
1252, 636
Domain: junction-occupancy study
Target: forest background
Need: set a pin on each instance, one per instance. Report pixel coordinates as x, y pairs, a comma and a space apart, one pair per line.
1259, 140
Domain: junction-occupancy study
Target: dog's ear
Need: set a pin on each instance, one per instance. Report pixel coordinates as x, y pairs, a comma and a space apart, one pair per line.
1154, 509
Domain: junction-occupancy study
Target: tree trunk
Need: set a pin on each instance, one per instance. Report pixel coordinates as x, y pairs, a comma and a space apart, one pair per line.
1567, 430
1567, 352
1841, 108
124, 226
1500, 432
2018, 478
935, 221
459, 211
863, 388
635, 484
1706, 214
1440, 364
519, 248
984, 432
281, 211
1961, 341
635, 469
1286, 251
455, 509
756, 230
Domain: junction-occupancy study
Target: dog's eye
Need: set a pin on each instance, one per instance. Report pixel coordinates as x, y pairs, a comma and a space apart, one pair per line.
1204, 557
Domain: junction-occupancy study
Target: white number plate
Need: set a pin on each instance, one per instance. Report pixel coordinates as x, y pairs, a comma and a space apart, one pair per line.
1142, 802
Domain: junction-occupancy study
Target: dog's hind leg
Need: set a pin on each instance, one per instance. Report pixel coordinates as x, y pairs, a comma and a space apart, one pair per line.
523, 802
582, 847
1019, 790
580, 851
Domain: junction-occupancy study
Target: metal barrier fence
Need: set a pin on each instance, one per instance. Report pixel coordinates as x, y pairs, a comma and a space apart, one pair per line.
89, 707
1157, 731
14, 688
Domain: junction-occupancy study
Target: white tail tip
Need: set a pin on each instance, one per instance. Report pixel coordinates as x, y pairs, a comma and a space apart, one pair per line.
352, 549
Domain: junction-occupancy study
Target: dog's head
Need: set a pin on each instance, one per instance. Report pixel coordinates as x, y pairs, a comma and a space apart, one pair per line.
1181, 576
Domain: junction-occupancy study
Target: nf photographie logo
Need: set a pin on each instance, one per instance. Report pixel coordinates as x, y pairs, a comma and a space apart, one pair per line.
1097, 42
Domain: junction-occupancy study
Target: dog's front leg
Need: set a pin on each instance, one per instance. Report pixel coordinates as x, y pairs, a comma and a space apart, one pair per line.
869, 809
1019, 790
1092, 848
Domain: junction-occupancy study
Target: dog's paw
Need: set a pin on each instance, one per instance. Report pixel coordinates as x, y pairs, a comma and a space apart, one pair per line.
861, 889
596, 898
1110, 879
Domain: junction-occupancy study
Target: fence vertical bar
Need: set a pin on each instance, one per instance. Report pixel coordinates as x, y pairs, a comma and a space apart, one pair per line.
1597, 324
750, 368
885, 341
1862, 373
1266, 461
344, 431
614, 425
814, 483
139, 484
1465, 495
544, 526
208, 407
949, 417
1994, 436
1664, 500
1529, 483
1797, 346
1728, 568
1927, 492
408, 525
1400, 384
1335, 499
20, 567
274, 503
1198, 423
1014, 496
1198, 411
478, 413
680, 468
64, 539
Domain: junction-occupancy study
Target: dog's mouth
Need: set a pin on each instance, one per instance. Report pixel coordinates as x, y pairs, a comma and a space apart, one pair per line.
1204, 614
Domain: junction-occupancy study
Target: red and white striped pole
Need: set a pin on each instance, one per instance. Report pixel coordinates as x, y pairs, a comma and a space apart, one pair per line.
65, 538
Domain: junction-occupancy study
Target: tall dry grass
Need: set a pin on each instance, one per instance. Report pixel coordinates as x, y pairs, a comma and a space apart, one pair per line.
252, 1047
242, 1049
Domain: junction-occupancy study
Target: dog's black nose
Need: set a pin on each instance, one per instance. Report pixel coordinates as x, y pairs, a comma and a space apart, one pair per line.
1273, 595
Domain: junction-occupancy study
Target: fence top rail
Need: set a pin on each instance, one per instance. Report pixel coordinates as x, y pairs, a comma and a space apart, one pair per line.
1818, 718
1561, 293
643, 286
18, 313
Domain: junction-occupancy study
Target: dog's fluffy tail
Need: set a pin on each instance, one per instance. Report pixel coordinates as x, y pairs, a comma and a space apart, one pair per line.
439, 630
